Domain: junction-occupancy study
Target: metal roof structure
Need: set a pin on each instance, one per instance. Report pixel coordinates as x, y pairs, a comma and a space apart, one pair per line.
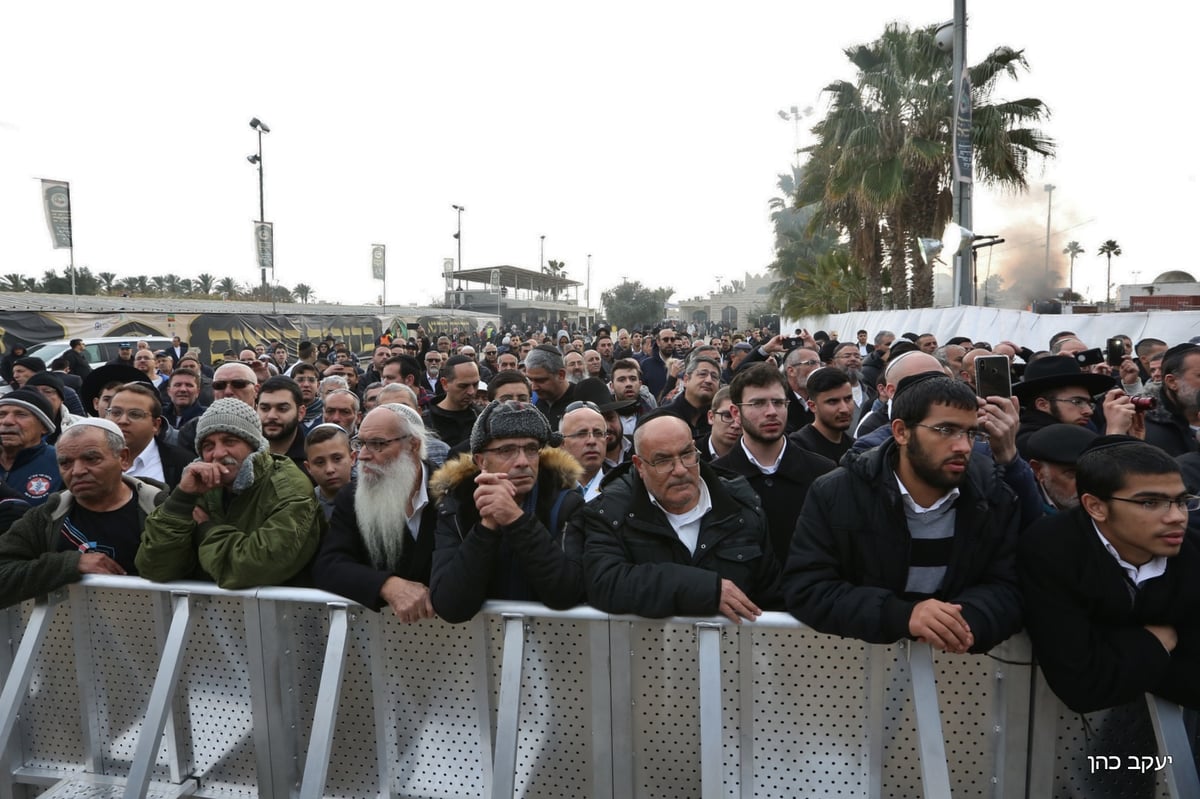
517, 277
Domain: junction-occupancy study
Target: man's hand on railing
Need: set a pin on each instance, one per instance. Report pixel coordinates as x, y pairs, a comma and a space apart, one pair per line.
941, 625
408, 600
98, 563
735, 605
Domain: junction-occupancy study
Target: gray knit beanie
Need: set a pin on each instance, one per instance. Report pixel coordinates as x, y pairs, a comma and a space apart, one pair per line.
511, 419
32, 400
231, 415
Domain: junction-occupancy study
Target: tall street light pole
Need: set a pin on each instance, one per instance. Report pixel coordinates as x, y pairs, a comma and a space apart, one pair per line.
587, 292
1049, 205
542, 255
258, 125
963, 152
458, 235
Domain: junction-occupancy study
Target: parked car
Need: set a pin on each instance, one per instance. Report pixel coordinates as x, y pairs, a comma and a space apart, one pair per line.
99, 351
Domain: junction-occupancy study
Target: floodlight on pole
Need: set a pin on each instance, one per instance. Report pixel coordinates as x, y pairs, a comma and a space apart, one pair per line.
257, 159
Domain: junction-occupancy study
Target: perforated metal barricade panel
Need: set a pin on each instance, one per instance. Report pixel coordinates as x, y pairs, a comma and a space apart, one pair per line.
50, 719
1123, 732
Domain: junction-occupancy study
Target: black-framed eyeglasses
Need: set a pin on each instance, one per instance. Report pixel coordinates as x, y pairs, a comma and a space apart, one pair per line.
1078, 402
762, 403
375, 445
1187, 502
578, 404
663, 466
724, 416
237, 383
955, 433
509, 451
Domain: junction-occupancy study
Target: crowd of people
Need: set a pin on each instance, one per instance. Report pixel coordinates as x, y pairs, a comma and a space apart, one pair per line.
864, 486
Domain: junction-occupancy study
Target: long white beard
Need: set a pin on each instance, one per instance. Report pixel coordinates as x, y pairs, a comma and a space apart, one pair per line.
381, 505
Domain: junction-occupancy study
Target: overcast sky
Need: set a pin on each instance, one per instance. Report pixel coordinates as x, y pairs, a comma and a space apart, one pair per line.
645, 134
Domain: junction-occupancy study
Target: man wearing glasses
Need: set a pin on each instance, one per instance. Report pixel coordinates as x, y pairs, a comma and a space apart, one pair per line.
232, 380
137, 412
502, 517
778, 470
1111, 587
913, 538
379, 548
701, 379
673, 537
585, 437
240, 516
797, 366
1055, 391
656, 365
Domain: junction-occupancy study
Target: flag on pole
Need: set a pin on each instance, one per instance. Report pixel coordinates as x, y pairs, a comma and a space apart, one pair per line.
264, 242
378, 267
56, 196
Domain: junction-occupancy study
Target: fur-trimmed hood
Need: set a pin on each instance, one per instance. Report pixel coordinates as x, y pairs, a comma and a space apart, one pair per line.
553, 463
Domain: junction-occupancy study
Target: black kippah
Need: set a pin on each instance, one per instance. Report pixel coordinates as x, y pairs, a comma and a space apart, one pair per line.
1110, 442
915, 380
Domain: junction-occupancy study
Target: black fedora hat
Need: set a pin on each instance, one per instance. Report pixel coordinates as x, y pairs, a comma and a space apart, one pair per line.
98, 378
1058, 371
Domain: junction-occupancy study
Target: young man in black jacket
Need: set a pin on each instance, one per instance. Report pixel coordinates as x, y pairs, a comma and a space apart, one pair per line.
1112, 587
915, 538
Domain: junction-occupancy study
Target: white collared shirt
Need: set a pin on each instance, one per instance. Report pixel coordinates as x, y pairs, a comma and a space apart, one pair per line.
419, 502
148, 463
769, 468
591, 489
1155, 567
916, 507
687, 524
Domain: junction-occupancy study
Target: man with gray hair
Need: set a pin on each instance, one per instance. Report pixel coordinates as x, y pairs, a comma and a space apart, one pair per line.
701, 379
379, 547
548, 377
92, 527
241, 516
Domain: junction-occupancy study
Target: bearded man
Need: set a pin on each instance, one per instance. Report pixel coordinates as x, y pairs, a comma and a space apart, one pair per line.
379, 548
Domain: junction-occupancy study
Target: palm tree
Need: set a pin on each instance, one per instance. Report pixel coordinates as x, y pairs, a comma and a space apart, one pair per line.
186, 287
1071, 251
107, 279
160, 284
881, 168
204, 284
228, 288
1109, 249
303, 292
15, 282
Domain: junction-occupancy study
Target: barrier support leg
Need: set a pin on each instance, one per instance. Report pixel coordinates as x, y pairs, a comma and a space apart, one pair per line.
708, 642
320, 741
1043, 737
1013, 687
89, 707
935, 774
1172, 737
600, 687
746, 711
508, 716
179, 763
385, 720
19, 676
876, 668
162, 694
621, 682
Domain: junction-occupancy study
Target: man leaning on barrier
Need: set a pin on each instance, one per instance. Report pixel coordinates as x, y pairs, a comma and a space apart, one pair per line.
93, 527
1112, 587
672, 537
240, 516
914, 538
502, 517
379, 547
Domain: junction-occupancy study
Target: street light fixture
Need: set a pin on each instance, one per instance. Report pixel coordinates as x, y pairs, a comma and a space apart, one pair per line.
458, 234
257, 160
795, 114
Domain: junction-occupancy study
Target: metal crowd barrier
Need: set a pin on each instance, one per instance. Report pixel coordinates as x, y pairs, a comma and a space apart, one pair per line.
147, 689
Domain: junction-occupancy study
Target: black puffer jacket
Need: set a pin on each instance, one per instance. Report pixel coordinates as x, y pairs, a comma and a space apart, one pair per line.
525, 560
1168, 429
635, 562
848, 566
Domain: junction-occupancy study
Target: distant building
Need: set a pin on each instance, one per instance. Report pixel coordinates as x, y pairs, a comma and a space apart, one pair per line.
519, 296
1171, 291
735, 305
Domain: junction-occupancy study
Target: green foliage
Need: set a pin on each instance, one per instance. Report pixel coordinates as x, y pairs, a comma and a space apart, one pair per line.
634, 305
880, 172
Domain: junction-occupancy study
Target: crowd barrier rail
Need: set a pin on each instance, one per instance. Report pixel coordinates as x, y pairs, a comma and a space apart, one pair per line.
117, 686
